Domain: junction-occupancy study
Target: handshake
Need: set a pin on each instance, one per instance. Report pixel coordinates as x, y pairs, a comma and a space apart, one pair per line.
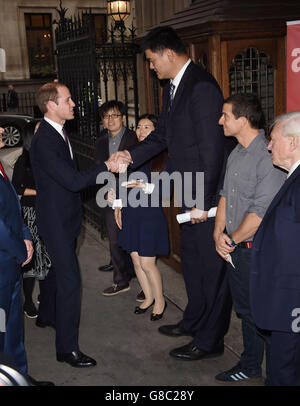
119, 161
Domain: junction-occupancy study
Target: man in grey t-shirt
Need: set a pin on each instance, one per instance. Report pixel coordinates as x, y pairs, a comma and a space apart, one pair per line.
250, 184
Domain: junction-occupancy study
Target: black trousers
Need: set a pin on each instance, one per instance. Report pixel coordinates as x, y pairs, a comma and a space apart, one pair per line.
60, 293
121, 260
207, 314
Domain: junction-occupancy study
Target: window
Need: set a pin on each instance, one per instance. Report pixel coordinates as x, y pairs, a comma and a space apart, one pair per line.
39, 45
252, 73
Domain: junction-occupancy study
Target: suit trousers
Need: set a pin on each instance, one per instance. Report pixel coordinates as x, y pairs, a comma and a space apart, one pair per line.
207, 314
61, 293
282, 358
11, 323
123, 268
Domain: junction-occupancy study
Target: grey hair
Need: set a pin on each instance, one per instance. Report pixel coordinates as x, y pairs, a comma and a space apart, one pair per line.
290, 124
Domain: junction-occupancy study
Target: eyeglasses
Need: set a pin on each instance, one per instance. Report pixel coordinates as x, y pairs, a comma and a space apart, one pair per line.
114, 116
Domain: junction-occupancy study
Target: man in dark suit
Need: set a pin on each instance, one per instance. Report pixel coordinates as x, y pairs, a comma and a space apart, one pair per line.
15, 251
275, 267
113, 138
59, 214
188, 128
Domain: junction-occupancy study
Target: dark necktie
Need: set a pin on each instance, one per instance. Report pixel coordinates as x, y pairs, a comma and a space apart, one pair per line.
171, 95
3, 172
65, 136
67, 140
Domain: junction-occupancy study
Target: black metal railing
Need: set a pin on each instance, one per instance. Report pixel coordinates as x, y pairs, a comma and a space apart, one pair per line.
27, 104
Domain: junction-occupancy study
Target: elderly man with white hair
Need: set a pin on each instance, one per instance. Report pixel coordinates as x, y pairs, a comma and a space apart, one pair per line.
275, 268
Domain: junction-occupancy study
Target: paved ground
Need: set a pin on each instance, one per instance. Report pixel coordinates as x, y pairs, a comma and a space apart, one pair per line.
128, 348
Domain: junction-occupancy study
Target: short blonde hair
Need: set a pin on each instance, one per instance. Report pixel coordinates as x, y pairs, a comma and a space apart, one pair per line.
48, 92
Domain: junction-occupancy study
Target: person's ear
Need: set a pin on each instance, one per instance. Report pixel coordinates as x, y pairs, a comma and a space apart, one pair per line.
294, 144
51, 105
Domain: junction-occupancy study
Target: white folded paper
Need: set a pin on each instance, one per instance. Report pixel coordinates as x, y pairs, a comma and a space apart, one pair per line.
184, 217
229, 259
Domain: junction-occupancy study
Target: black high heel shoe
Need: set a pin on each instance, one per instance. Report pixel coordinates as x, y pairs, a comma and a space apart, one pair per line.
155, 317
139, 310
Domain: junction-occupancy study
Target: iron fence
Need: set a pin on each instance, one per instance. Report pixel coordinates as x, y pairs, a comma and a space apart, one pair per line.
94, 73
27, 104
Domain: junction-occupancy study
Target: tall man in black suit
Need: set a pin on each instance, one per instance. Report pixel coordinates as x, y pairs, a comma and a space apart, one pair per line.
115, 137
59, 214
188, 128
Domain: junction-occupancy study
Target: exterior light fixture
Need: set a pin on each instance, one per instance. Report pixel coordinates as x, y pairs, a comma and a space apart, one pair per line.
118, 11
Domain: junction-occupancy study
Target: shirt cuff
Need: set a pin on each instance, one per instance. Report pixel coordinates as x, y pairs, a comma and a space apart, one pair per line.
149, 187
117, 203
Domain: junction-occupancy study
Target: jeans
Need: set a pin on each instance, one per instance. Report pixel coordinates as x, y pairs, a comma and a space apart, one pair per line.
239, 278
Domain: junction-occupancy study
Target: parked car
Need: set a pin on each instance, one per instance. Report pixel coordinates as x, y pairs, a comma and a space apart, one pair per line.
14, 125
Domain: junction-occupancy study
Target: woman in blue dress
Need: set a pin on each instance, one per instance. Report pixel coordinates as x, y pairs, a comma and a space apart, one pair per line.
144, 234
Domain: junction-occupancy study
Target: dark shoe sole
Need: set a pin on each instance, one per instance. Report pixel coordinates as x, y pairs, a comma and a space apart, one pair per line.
241, 381
206, 356
116, 293
30, 316
176, 335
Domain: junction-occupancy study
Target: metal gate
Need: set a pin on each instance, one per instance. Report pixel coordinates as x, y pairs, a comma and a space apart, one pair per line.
94, 73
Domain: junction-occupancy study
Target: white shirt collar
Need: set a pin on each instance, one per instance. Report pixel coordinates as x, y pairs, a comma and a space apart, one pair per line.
293, 168
179, 75
58, 127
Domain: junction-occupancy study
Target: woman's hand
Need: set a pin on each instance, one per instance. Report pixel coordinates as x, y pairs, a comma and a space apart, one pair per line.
118, 217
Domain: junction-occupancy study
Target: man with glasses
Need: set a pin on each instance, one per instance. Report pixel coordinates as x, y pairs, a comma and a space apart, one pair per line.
113, 138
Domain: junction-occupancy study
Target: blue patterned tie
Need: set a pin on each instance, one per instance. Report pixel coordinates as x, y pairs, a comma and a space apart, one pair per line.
171, 95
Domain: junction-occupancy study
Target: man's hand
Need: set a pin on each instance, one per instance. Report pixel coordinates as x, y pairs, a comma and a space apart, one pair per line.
30, 251
111, 196
223, 242
198, 216
119, 161
118, 217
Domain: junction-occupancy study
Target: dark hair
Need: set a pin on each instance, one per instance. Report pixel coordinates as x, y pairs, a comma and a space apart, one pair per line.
247, 105
161, 38
150, 117
112, 104
28, 133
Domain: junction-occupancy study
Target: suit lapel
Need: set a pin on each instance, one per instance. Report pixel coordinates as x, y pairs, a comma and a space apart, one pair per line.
123, 142
180, 88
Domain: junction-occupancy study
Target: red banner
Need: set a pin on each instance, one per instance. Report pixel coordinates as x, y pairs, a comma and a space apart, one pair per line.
293, 66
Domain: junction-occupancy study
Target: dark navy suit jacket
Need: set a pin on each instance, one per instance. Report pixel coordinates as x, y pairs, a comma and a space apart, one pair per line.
191, 133
13, 231
275, 268
58, 184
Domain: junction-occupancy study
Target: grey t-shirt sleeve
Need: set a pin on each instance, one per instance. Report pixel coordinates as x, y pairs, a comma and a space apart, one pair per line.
269, 181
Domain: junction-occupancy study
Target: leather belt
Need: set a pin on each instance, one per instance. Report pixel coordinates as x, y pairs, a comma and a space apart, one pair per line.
245, 244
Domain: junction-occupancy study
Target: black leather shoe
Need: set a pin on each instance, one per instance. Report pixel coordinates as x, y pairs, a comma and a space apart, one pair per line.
76, 359
139, 310
191, 352
155, 317
43, 324
106, 268
33, 382
173, 330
